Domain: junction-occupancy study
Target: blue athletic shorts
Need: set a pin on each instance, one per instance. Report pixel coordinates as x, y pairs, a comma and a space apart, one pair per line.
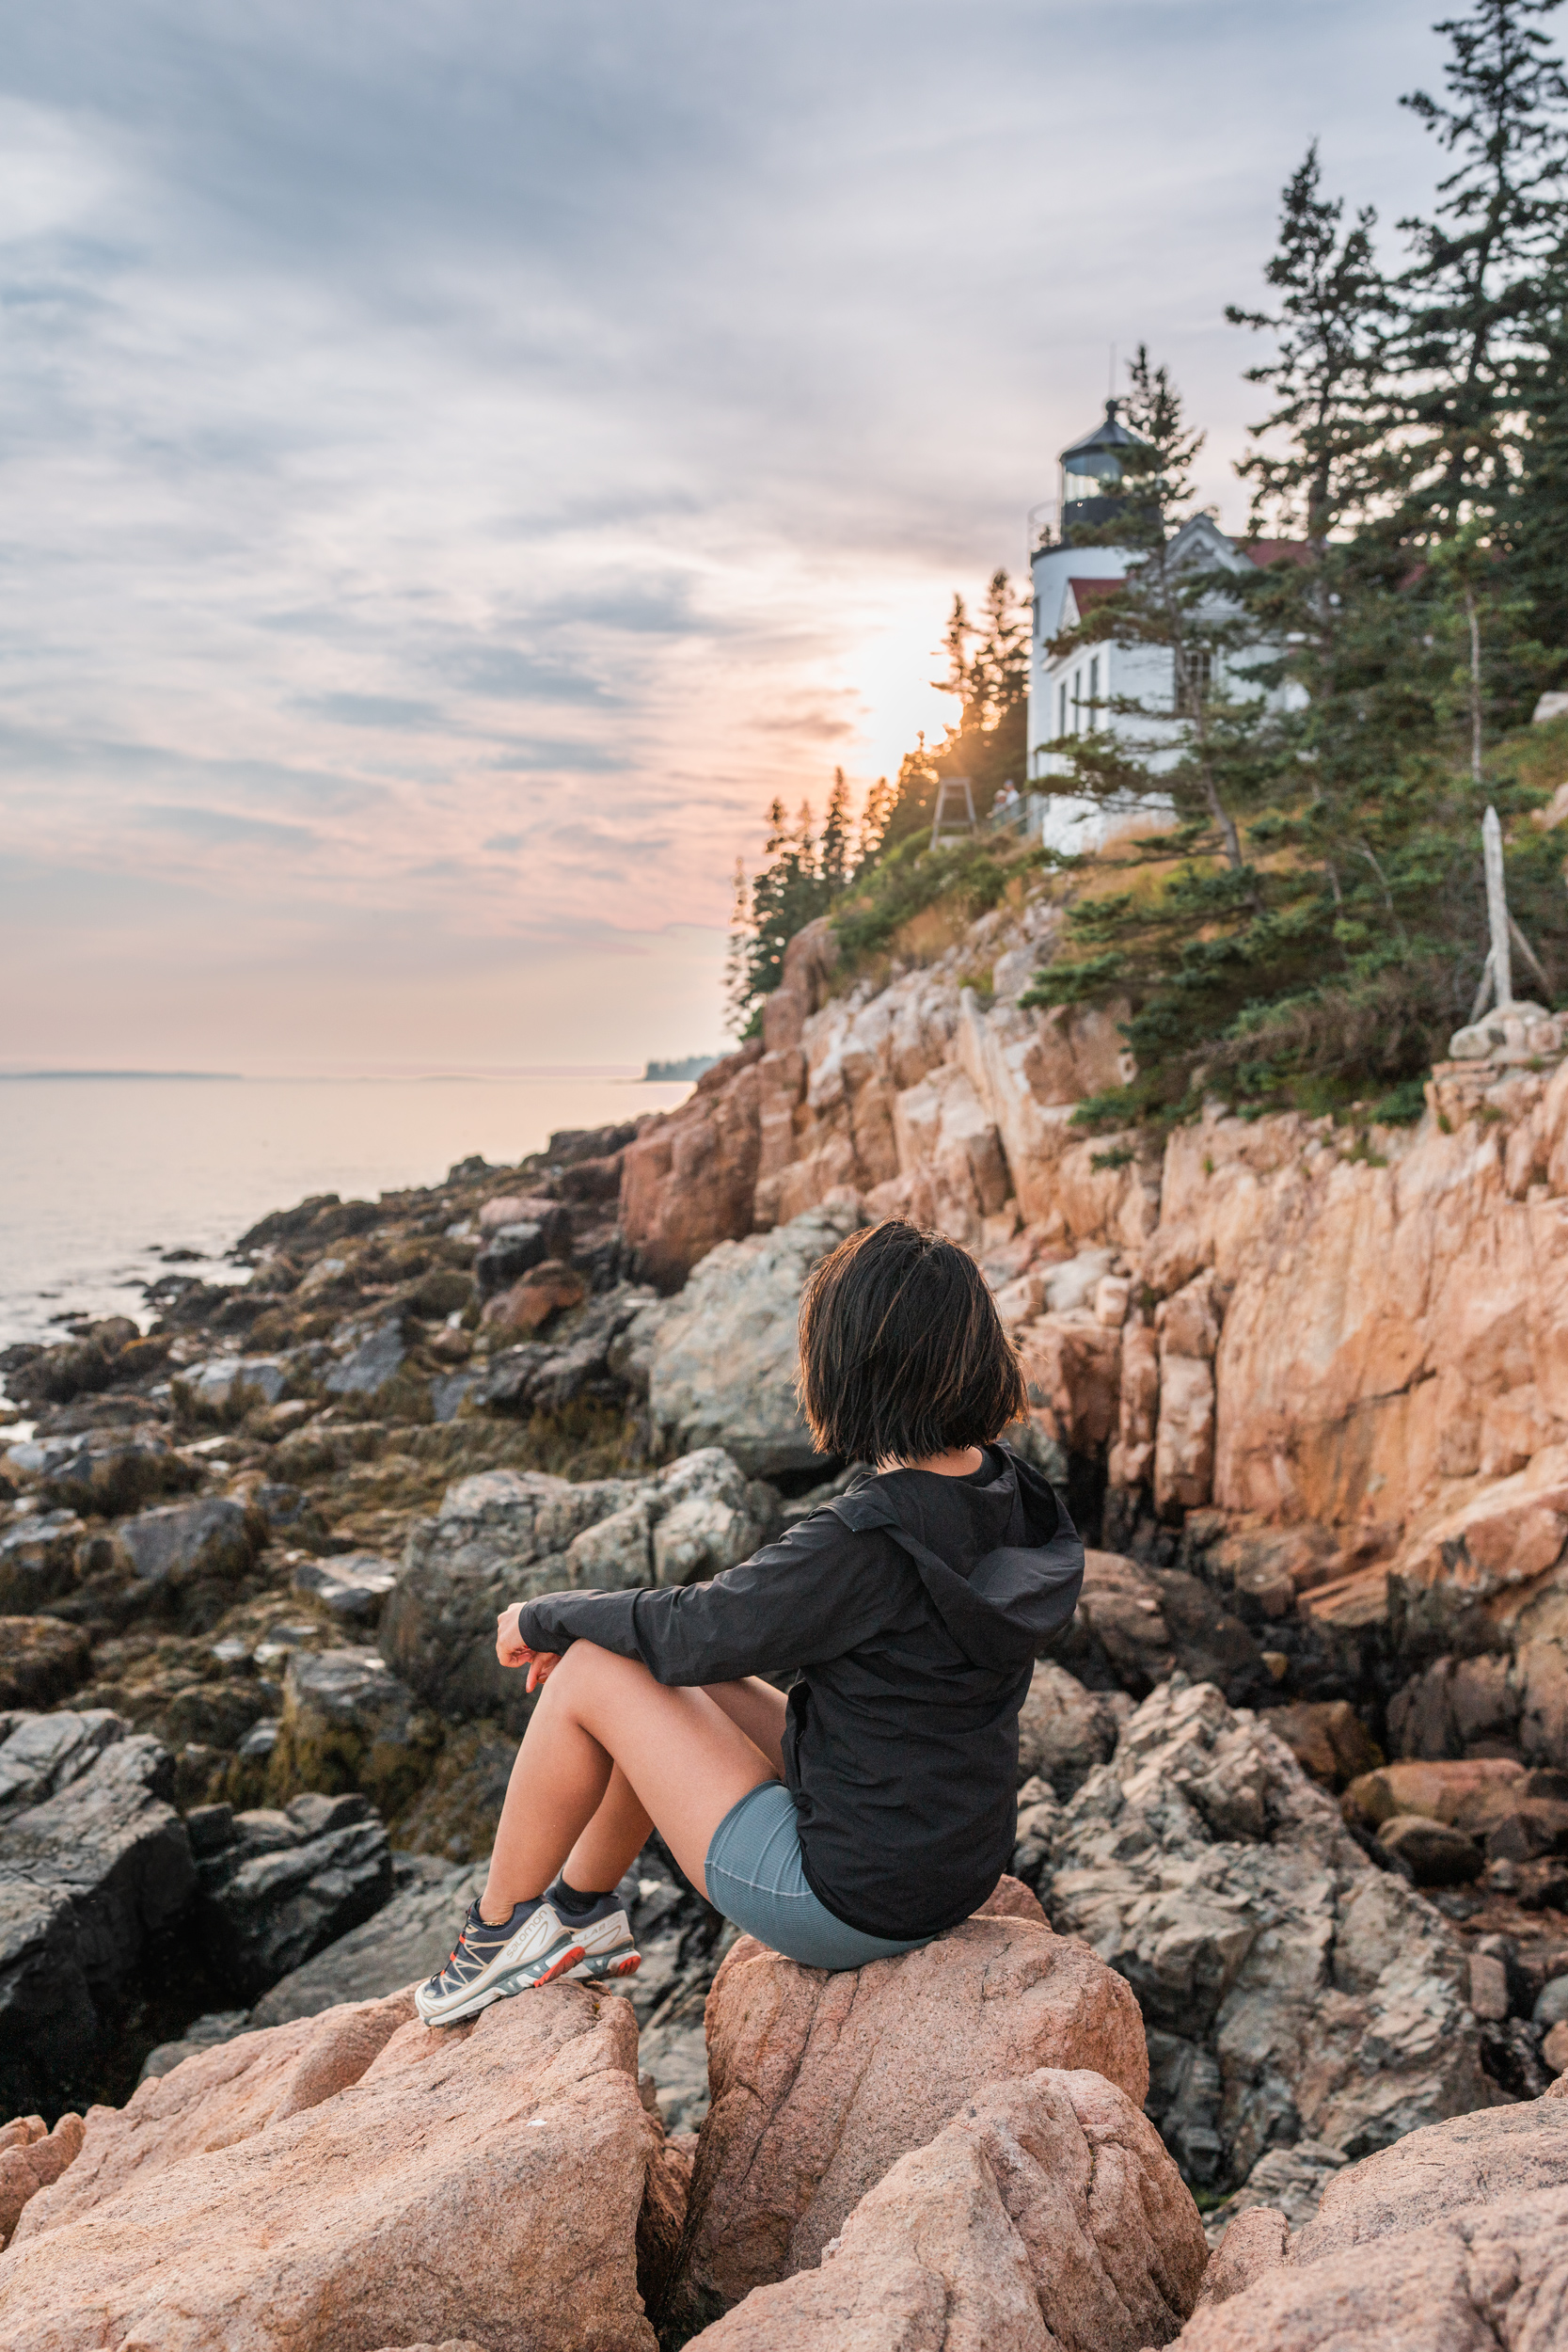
754, 1878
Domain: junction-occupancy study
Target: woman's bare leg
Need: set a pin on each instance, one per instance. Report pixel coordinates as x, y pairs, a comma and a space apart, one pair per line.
619, 1830
682, 1761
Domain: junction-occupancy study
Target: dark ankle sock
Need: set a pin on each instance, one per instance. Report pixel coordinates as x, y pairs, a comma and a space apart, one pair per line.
568, 1898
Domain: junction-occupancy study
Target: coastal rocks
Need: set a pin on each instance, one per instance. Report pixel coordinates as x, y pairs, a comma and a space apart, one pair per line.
1135, 1626
1291, 1990
1453, 2238
226, 1387
507, 1536
408, 1939
551, 1289
576, 1360
188, 1557
103, 1470
820, 2082
348, 1723
718, 1360
278, 1887
351, 1588
369, 1359
688, 1180
38, 1559
31, 2158
215, 2099
40, 1660
93, 1861
1045, 2214
383, 2213
1063, 1730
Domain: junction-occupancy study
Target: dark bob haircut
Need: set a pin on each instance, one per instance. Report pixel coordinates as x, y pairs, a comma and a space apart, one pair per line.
902, 1351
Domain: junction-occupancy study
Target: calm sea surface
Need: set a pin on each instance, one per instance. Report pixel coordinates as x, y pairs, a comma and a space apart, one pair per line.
98, 1176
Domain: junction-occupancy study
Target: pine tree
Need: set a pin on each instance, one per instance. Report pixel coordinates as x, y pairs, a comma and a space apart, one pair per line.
1329, 332
833, 862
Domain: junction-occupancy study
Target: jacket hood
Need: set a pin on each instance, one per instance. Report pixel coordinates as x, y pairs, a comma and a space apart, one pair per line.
1000, 1559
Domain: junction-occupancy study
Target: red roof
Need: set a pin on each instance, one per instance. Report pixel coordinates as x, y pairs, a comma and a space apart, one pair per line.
1264, 551
1087, 591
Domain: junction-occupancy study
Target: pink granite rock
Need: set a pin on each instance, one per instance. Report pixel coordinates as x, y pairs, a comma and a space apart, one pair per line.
821, 2082
482, 2184
216, 2098
1046, 2216
31, 2158
1454, 2239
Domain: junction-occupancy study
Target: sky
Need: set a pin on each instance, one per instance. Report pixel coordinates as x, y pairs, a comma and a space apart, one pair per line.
459, 459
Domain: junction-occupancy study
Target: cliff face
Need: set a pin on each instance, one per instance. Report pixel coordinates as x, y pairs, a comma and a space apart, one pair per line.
1281, 1318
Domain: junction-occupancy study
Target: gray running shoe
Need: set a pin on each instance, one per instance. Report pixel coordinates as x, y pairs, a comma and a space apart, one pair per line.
487, 1964
609, 1947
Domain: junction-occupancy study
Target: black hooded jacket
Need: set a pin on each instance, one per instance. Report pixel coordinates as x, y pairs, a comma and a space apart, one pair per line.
915, 1607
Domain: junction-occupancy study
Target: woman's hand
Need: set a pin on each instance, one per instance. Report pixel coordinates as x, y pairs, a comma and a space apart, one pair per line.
514, 1651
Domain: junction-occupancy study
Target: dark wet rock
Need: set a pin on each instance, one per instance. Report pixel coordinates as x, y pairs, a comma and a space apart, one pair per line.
41, 1661
226, 1387
371, 1358
320, 1218
190, 1556
349, 1722
103, 1471
288, 1884
408, 1939
76, 1367
543, 1376
38, 1560
94, 1861
350, 1587
1434, 1852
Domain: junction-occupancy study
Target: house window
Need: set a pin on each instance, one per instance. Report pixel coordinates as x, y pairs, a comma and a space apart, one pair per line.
1094, 691
1078, 702
1194, 679
1061, 709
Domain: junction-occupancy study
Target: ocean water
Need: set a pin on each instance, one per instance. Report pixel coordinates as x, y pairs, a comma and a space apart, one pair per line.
100, 1177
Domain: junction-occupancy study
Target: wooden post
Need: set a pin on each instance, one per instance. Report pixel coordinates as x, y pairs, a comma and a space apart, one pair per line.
1496, 910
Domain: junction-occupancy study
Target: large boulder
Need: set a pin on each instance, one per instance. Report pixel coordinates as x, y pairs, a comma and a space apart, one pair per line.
348, 1723
38, 1559
189, 1557
1046, 2216
1290, 1989
688, 1179
1456, 2240
821, 2082
507, 1536
103, 1470
93, 1861
214, 2100
576, 1360
482, 2184
278, 1886
719, 1359
1135, 1626
1063, 1730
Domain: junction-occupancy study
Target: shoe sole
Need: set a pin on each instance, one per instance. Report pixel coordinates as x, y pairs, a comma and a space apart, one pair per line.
593, 1971
503, 1988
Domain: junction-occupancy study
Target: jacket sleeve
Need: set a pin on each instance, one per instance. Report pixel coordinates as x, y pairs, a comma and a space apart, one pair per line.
816, 1592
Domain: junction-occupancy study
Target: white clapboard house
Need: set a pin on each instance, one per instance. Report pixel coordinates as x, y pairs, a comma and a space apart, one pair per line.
1071, 694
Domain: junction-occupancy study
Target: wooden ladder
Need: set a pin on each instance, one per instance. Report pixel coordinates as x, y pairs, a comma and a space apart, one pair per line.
951, 787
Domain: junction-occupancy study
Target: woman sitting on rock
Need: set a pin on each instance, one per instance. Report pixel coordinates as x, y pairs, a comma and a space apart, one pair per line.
874, 1807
